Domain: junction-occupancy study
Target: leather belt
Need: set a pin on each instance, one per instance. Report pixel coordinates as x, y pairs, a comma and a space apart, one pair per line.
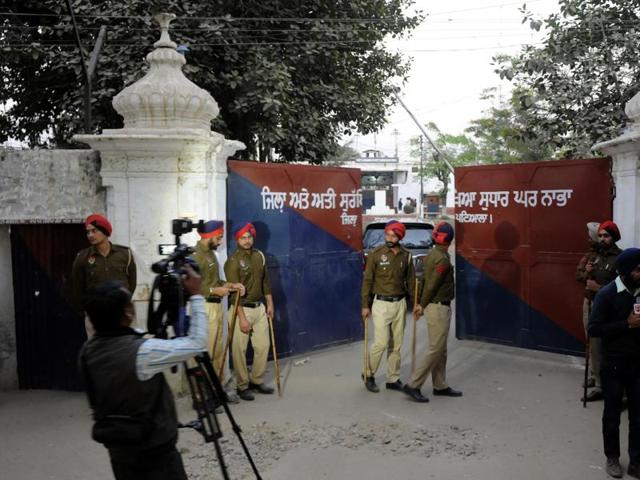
251, 304
446, 303
389, 298
214, 299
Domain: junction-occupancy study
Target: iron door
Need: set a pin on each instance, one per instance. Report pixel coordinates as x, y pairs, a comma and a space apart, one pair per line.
49, 333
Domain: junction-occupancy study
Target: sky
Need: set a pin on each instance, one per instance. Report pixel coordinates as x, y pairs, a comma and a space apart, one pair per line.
452, 54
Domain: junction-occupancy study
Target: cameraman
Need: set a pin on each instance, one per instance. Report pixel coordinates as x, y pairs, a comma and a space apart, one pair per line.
133, 407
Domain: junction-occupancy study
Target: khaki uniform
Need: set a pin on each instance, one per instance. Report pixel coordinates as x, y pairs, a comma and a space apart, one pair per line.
389, 277
210, 274
604, 271
437, 293
249, 269
90, 269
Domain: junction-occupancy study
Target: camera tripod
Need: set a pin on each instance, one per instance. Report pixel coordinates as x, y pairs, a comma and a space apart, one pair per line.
207, 394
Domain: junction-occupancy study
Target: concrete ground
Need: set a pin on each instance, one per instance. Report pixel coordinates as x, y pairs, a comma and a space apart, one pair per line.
520, 418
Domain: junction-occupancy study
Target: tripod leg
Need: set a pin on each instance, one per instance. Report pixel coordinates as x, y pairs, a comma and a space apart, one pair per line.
202, 396
205, 361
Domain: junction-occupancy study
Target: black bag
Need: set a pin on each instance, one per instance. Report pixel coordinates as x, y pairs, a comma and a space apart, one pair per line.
121, 429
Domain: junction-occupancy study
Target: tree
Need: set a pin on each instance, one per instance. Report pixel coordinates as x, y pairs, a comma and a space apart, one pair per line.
290, 77
575, 85
343, 154
500, 135
458, 149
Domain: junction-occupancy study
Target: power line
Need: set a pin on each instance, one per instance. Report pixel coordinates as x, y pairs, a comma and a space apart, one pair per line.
219, 19
486, 7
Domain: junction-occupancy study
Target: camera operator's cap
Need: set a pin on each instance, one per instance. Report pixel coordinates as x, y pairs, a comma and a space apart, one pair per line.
592, 228
244, 228
211, 228
443, 234
100, 222
611, 228
396, 227
628, 260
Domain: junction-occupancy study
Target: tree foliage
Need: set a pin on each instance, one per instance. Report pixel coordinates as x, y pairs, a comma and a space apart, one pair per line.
500, 134
575, 85
458, 149
290, 77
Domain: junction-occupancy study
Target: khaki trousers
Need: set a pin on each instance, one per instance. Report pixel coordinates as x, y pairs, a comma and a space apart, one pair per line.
215, 346
434, 360
259, 336
594, 347
388, 332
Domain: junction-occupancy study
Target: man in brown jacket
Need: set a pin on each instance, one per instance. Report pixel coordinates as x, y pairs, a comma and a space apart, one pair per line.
388, 278
595, 270
247, 266
101, 262
435, 303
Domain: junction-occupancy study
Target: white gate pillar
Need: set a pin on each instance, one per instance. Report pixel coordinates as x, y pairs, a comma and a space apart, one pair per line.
166, 162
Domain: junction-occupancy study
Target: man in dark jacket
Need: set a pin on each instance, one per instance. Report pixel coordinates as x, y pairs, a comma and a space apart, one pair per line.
123, 373
615, 318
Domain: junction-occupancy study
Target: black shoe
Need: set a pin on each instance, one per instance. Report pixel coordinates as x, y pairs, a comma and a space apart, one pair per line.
415, 393
245, 395
593, 396
397, 385
371, 385
261, 388
613, 468
447, 392
634, 470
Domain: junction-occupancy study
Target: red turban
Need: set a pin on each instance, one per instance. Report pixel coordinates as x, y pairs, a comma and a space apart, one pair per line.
442, 234
244, 228
100, 222
611, 228
396, 227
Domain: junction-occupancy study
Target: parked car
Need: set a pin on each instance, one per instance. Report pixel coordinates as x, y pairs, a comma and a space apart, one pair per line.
417, 240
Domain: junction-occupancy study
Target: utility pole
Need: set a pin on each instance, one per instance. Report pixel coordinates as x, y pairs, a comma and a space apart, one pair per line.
395, 134
424, 132
90, 69
420, 204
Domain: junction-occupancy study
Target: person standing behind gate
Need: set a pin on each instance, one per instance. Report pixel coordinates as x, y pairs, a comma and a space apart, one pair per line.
213, 288
435, 303
388, 278
595, 270
247, 265
102, 261
615, 318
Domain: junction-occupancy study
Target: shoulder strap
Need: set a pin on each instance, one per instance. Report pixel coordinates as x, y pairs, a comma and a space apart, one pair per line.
264, 261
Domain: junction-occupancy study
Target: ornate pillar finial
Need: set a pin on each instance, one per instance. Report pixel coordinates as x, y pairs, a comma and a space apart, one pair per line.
164, 19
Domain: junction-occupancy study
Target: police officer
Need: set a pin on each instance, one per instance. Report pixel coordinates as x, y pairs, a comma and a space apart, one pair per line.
101, 262
213, 288
388, 278
595, 270
435, 303
247, 265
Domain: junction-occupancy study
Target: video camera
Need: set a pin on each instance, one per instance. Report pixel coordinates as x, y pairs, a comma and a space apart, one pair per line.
171, 309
